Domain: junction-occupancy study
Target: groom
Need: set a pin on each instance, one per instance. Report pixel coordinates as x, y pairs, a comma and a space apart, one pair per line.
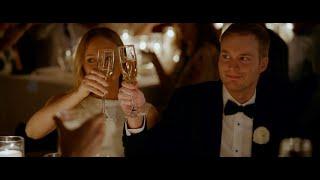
230, 118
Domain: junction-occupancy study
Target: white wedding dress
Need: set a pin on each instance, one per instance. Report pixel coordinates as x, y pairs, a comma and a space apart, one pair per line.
114, 123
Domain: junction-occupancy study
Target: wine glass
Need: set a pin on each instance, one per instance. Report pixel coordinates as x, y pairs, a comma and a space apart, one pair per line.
56, 154
105, 66
11, 146
295, 147
128, 61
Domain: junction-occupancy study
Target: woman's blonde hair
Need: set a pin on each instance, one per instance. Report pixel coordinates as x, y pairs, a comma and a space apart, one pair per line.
83, 44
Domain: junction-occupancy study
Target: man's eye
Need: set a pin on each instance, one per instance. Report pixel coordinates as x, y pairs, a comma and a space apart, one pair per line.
244, 59
225, 56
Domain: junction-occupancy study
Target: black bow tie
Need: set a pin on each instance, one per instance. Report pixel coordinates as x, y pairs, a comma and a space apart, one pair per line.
232, 108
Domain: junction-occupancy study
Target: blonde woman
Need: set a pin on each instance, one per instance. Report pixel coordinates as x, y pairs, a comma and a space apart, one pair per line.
90, 86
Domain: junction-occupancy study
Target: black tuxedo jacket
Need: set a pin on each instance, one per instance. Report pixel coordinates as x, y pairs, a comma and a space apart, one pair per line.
191, 126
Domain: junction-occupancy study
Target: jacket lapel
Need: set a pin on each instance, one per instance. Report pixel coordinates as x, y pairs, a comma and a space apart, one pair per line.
217, 120
261, 147
213, 120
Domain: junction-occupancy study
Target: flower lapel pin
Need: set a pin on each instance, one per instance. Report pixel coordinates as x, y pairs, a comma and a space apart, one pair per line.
261, 135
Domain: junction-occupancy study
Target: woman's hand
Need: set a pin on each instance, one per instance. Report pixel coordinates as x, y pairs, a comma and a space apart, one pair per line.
94, 82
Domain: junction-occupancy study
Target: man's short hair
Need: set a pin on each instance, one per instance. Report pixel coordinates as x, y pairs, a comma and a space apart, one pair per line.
257, 30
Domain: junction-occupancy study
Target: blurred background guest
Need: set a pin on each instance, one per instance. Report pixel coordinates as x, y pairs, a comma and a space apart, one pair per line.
307, 80
48, 44
276, 74
10, 33
300, 66
198, 45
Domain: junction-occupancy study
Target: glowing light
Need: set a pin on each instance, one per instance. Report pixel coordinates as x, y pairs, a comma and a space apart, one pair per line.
270, 25
156, 46
218, 25
176, 58
170, 32
143, 45
125, 35
289, 26
149, 66
68, 53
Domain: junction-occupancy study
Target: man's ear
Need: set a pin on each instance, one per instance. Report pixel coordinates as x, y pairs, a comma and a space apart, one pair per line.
263, 64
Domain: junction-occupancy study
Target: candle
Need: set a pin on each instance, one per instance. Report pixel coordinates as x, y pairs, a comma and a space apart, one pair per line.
10, 153
11, 146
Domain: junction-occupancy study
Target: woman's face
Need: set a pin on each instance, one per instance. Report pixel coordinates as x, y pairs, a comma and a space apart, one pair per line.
90, 58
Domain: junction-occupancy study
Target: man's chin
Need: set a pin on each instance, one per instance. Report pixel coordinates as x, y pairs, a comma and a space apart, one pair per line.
232, 86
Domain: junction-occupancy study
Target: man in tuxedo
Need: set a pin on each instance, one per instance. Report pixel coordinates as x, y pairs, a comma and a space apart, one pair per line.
234, 117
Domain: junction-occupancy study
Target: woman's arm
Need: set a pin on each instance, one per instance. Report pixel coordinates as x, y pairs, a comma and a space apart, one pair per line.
42, 123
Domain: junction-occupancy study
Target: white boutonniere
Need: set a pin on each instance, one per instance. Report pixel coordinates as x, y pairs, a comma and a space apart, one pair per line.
261, 135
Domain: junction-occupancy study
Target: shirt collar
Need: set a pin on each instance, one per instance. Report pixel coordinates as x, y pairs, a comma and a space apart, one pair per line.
227, 96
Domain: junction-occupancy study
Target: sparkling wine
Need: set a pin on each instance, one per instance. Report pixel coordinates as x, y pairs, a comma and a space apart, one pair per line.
108, 72
106, 66
129, 69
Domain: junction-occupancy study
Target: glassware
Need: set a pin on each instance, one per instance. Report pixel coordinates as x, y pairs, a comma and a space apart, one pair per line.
295, 147
106, 66
56, 154
128, 61
11, 146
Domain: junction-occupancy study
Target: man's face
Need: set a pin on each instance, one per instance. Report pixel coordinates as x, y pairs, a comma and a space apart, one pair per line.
240, 63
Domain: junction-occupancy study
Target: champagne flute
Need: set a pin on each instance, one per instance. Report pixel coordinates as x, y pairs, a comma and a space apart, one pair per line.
295, 147
105, 66
128, 61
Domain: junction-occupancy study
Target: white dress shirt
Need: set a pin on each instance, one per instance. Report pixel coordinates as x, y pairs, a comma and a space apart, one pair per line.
135, 131
236, 139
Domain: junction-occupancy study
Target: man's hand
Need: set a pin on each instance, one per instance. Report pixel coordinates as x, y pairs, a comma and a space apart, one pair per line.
130, 96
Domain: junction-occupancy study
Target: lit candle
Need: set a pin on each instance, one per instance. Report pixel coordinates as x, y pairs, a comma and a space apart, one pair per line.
10, 153
11, 146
